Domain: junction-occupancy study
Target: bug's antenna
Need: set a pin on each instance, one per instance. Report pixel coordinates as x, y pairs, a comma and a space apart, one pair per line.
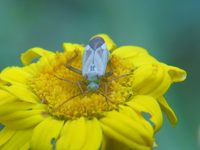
85, 92
118, 77
65, 102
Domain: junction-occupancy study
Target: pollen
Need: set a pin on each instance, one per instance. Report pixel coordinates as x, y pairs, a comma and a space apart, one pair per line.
64, 91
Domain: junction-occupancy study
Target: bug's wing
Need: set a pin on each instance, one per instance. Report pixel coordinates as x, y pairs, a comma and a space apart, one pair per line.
87, 60
101, 59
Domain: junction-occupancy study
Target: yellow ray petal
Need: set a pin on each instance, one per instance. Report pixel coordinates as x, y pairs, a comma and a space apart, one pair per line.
15, 74
20, 120
22, 92
80, 134
110, 144
18, 105
148, 105
109, 42
94, 135
168, 110
26, 146
121, 128
6, 97
33, 68
126, 110
137, 55
122, 140
5, 135
45, 134
19, 115
69, 47
18, 140
177, 74
33, 53
73, 135
151, 79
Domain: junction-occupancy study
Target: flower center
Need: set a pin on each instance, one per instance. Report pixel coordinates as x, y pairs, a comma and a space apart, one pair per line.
66, 92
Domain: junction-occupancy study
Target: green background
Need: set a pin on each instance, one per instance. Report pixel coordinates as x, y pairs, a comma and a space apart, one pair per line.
170, 30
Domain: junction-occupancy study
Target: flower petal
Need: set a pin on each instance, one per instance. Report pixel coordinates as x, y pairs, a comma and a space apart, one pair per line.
5, 135
23, 122
94, 135
70, 137
45, 134
137, 55
33, 53
151, 79
6, 97
109, 42
87, 137
121, 128
131, 113
168, 111
110, 144
20, 115
26, 146
15, 74
69, 47
177, 74
18, 140
18, 105
147, 105
22, 92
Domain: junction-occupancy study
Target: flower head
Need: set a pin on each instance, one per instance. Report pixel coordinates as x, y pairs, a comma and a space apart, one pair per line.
47, 104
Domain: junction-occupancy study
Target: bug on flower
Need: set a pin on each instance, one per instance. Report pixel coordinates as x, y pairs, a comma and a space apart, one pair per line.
94, 63
95, 59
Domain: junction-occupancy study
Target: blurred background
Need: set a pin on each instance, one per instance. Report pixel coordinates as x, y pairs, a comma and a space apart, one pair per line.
170, 30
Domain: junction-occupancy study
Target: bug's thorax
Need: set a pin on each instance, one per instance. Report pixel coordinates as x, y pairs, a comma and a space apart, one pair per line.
92, 82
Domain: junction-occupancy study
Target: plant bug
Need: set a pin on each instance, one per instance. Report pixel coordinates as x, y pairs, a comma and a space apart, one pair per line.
94, 63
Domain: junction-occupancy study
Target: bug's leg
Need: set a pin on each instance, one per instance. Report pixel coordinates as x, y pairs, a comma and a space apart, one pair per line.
73, 82
118, 77
106, 92
64, 79
67, 65
80, 87
110, 73
104, 96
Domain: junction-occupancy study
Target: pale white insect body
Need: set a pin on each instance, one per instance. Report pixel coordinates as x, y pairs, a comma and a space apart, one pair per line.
94, 62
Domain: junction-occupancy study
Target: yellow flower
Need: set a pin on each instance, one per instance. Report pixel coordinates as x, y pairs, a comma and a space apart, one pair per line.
39, 110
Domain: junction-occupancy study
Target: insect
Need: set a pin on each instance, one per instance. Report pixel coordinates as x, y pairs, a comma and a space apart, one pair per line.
94, 63
95, 59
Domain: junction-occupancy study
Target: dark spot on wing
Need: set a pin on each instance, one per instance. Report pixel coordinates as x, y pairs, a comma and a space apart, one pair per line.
96, 42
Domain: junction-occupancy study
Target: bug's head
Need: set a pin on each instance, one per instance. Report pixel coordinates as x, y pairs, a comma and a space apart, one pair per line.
96, 42
93, 86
